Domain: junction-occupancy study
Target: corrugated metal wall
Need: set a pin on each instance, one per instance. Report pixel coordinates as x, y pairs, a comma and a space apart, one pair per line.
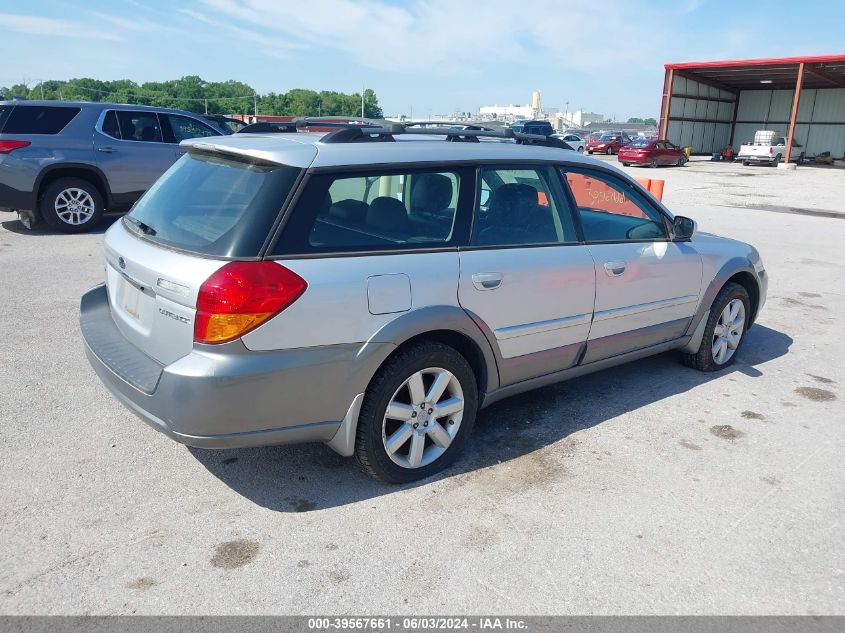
711, 129
820, 125
769, 110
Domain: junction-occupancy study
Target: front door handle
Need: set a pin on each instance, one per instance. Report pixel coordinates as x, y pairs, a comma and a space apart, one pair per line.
487, 281
107, 150
615, 268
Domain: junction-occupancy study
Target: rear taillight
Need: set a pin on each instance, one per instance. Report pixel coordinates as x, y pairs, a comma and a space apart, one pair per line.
771, 150
241, 296
10, 146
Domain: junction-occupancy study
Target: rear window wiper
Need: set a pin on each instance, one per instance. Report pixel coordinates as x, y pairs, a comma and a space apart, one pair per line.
146, 229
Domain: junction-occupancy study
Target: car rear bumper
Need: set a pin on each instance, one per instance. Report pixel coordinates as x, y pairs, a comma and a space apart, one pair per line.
225, 396
755, 158
13, 199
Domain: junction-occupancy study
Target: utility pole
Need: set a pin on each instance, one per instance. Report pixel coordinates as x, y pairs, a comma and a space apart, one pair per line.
41, 85
206, 105
363, 90
255, 103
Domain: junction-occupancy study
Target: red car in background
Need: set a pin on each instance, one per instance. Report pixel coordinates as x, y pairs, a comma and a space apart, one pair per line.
653, 152
607, 143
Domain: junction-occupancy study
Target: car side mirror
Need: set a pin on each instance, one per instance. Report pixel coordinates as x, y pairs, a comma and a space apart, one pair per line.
683, 228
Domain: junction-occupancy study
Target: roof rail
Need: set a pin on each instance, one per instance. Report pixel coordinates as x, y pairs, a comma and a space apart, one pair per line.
375, 131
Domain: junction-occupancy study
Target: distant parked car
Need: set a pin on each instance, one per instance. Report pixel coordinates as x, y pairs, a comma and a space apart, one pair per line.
651, 152
573, 140
608, 143
543, 128
69, 162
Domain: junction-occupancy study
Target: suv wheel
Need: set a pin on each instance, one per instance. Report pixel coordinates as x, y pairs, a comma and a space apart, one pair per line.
725, 330
417, 414
71, 205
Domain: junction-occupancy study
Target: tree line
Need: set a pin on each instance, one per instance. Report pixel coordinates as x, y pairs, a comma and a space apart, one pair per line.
194, 94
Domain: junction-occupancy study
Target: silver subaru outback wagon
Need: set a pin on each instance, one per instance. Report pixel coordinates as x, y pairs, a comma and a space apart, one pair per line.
372, 288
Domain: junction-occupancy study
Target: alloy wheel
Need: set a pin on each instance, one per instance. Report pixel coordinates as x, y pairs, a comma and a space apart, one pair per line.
74, 206
728, 331
423, 417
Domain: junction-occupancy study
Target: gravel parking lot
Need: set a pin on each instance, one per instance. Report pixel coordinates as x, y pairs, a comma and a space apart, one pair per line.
649, 488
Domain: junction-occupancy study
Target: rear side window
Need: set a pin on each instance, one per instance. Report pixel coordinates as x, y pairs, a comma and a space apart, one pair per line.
521, 206
38, 119
213, 205
377, 211
139, 126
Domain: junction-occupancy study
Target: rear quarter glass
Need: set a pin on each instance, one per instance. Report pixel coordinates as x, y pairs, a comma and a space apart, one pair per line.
4, 114
38, 119
213, 205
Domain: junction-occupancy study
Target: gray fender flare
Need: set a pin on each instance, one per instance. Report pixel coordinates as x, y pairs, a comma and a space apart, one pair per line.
729, 269
404, 328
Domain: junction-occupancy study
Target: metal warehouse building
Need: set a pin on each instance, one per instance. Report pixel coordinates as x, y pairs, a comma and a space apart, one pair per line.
710, 105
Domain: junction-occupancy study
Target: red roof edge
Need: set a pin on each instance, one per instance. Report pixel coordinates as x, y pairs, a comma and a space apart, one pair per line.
766, 61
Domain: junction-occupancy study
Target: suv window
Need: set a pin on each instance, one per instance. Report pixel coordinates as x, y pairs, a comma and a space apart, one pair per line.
139, 126
110, 125
184, 127
612, 211
213, 205
4, 113
521, 205
376, 211
38, 119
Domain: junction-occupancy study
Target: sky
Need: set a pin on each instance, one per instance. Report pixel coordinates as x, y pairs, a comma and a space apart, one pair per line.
420, 56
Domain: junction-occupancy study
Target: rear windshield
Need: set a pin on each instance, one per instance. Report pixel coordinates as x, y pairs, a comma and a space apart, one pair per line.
643, 142
213, 205
38, 119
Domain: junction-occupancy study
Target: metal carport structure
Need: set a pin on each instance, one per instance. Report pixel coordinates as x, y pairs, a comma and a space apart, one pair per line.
710, 105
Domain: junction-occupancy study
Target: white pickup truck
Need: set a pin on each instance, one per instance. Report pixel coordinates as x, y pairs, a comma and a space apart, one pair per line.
768, 147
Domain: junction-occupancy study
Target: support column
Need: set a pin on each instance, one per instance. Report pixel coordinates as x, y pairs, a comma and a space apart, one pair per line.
794, 114
663, 130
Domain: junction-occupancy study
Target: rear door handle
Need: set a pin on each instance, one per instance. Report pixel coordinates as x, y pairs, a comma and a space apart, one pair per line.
615, 268
487, 281
107, 150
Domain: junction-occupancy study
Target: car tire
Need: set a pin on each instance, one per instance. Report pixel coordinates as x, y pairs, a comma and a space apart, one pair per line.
609, 151
654, 164
746, 163
722, 339
627, 164
590, 152
392, 387
682, 160
71, 205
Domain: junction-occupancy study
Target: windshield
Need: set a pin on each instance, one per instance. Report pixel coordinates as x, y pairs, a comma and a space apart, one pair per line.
609, 137
213, 205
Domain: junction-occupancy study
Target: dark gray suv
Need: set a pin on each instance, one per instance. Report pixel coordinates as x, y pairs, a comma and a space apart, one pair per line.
69, 162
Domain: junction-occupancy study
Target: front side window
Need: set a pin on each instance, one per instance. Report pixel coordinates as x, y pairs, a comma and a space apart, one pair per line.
184, 128
612, 211
521, 206
376, 211
139, 126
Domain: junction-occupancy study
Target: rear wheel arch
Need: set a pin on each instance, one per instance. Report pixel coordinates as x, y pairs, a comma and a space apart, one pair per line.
85, 172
